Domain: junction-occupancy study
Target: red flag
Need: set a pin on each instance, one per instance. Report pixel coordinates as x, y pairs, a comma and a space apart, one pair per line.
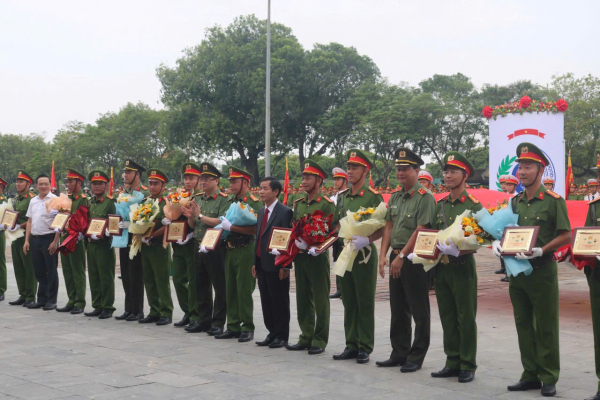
371, 180
111, 187
570, 179
53, 179
286, 182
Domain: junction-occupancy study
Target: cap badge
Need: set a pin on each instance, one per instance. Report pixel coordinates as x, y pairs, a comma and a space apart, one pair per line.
127, 162
153, 173
189, 167
353, 154
20, 172
524, 149
450, 158
205, 168
402, 154
306, 165
230, 170
96, 174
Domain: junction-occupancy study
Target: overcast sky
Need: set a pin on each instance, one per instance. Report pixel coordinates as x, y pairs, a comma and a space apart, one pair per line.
73, 60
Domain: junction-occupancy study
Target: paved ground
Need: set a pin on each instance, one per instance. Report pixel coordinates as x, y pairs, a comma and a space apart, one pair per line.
48, 355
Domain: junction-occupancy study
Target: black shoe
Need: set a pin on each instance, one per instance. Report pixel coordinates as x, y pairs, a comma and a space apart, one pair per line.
268, 340
410, 367
123, 316
505, 279
95, 313
277, 344
27, 302
466, 376
49, 307
446, 373
35, 305
77, 310
335, 295
214, 331
164, 321
184, 322
246, 337
195, 327
228, 335
65, 309
347, 354
596, 397
500, 271
521, 386
2, 297
18, 302
362, 357
296, 347
150, 319
315, 350
391, 362
134, 317
548, 390
105, 314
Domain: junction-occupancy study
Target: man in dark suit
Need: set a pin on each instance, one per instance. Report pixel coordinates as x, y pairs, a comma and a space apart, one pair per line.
273, 281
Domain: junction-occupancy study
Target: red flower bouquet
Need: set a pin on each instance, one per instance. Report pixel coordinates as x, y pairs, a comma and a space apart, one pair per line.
561, 105
525, 101
313, 228
78, 223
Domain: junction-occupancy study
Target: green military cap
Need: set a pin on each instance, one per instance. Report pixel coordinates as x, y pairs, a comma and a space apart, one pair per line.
405, 157
131, 165
158, 175
72, 174
235, 172
456, 159
190, 169
313, 168
98, 176
530, 152
25, 176
356, 156
597, 160
209, 169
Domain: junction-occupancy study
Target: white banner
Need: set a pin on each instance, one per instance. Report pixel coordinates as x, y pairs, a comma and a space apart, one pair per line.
545, 130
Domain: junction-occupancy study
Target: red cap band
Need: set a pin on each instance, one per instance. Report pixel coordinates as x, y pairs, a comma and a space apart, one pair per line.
71, 175
3, 182
192, 171
359, 160
511, 180
235, 174
313, 171
341, 175
533, 157
25, 177
459, 164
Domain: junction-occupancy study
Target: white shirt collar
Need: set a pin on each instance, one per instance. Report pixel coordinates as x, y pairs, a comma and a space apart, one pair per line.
271, 207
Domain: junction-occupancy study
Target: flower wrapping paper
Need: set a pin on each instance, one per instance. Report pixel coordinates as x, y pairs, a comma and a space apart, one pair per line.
123, 204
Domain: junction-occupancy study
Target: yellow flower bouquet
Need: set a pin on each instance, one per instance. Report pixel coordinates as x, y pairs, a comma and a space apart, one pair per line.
142, 218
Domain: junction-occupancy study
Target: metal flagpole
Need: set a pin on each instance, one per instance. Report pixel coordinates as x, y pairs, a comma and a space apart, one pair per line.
268, 95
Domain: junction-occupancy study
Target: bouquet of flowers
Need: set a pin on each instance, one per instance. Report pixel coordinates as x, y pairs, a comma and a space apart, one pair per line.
10, 236
124, 202
313, 228
142, 218
77, 224
363, 222
470, 227
61, 203
175, 201
239, 214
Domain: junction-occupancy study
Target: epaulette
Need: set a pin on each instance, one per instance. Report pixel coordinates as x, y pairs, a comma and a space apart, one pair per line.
553, 194
328, 199
110, 197
143, 187
343, 191
473, 199
83, 195
373, 190
595, 200
301, 198
422, 192
223, 194
253, 197
31, 195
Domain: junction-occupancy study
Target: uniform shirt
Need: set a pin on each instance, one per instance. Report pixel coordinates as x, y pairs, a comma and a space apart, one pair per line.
21, 204
140, 188
40, 219
366, 197
213, 206
547, 210
102, 207
303, 207
407, 210
79, 200
591, 197
452, 209
3, 199
250, 200
589, 220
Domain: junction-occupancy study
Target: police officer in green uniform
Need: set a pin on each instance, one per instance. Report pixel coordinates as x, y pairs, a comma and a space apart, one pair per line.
409, 209
184, 252
23, 263
340, 181
313, 281
132, 273
239, 257
155, 258
100, 256
535, 296
358, 286
73, 264
204, 213
3, 279
456, 276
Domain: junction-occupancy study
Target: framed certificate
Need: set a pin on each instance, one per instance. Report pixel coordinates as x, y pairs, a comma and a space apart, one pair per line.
210, 241
426, 244
519, 239
176, 230
280, 239
326, 244
60, 220
586, 242
96, 227
113, 225
149, 231
9, 219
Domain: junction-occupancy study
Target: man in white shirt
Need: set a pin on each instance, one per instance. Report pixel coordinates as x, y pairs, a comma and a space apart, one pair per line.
42, 241
593, 194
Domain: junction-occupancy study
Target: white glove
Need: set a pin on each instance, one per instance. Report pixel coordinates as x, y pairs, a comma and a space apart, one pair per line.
536, 252
449, 249
187, 239
124, 224
313, 252
106, 232
146, 240
410, 256
359, 242
202, 250
496, 248
53, 212
598, 258
57, 230
275, 252
80, 236
165, 221
2, 227
94, 237
14, 229
301, 244
225, 224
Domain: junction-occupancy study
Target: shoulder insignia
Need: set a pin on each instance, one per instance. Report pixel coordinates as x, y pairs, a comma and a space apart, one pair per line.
373, 190
343, 191
595, 200
83, 195
422, 192
328, 199
223, 194
473, 199
144, 187
297, 200
553, 194
253, 197
110, 197
31, 195
318, 199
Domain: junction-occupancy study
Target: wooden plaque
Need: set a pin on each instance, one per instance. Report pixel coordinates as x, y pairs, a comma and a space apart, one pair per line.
210, 241
176, 230
96, 227
326, 244
9, 219
586, 242
519, 239
60, 221
426, 244
113, 225
280, 239
149, 231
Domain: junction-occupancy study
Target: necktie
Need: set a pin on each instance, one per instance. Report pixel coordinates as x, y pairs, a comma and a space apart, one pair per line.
263, 226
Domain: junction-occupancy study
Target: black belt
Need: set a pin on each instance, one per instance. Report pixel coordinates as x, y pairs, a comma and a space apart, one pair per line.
542, 261
41, 236
460, 259
237, 245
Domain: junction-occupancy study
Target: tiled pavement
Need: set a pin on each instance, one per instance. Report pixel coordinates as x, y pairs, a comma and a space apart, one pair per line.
48, 355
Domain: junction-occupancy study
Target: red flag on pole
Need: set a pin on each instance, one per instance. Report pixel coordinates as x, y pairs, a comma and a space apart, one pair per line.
111, 187
286, 182
53, 179
570, 179
371, 180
